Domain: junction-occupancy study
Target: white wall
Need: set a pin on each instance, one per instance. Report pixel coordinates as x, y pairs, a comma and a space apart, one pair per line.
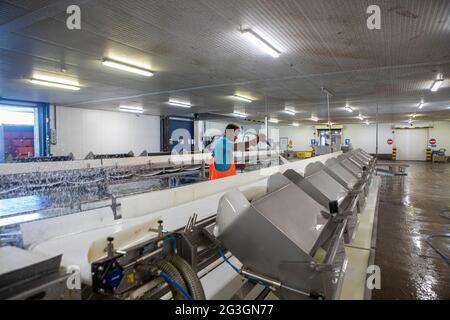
103, 132
441, 132
300, 136
364, 136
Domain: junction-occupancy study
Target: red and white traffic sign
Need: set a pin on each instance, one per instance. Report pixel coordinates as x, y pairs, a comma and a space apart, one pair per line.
390, 141
432, 141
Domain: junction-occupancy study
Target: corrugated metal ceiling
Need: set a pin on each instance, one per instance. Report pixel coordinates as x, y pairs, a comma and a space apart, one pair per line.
196, 50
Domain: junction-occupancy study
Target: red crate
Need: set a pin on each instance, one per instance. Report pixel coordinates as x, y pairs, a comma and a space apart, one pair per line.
23, 143
23, 151
17, 135
27, 135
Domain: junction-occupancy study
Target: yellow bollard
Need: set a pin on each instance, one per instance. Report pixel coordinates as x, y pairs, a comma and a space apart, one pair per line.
428, 151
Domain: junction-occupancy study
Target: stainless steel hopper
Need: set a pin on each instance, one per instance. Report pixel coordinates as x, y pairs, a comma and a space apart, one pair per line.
284, 240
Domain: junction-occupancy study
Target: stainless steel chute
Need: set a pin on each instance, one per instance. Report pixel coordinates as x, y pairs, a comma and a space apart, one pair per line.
356, 186
320, 186
284, 236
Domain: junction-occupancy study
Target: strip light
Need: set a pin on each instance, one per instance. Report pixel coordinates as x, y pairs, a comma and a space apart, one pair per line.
348, 109
127, 67
314, 119
437, 83
272, 120
367, 122
55, 83
131, 109
296, 124
180, 104
243, 98
361, 117
260, 42
290, 112
421, 105
239, 114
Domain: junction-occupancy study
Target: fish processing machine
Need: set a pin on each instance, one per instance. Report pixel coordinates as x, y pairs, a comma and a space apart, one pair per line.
325, 190
284, 240
339, 173
25, 275
46, 189
285, 234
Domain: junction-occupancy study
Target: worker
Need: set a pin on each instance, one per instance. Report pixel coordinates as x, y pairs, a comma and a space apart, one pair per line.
222, 162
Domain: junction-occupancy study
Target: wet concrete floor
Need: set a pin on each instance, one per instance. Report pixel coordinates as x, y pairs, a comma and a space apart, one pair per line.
413, 265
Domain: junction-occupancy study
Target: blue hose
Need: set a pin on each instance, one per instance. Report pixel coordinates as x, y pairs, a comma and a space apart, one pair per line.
174, 243
237, 269
176, 284
227, 261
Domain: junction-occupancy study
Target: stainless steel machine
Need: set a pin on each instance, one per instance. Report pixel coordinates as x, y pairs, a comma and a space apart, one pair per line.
320, 186
355, 186
44, 194
289, 236
359, 162
27, 276
361, 173
285, 240
166, 263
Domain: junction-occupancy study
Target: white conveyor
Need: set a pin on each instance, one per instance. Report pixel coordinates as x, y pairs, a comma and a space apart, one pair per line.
74, 235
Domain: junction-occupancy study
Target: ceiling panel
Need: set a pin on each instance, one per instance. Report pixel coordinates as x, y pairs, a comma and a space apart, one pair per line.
196, 51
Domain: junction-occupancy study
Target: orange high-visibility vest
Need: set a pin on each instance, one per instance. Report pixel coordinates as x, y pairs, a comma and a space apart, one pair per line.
217, 174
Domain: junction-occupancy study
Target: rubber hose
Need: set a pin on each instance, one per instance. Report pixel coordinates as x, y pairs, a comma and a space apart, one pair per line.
173, 272
190, 277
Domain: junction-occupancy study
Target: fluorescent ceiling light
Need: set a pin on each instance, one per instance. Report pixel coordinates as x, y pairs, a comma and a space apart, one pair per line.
55, 82
240, 114
180, 104
127, 67
243, 98
274, 120
421, 105
260, 42
414, 115
410, 121
131, 109
367, 122
296, 124
59, 80
361, 117
348, 109
314, 119
437, 83
290, 112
